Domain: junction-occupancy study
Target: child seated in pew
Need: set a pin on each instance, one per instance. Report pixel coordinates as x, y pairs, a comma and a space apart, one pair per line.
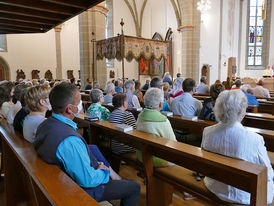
37, 100
150, 120
230, 138
121, 116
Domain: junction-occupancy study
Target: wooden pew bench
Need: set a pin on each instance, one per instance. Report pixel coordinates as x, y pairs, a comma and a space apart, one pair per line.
197, 127
31, 181
160, 181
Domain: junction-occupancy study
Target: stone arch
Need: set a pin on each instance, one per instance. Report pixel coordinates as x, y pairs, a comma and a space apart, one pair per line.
5, 66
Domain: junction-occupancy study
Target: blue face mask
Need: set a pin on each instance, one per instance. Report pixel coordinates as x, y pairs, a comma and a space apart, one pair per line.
79, 107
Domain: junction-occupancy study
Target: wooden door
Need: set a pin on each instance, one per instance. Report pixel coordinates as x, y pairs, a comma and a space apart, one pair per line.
2, 73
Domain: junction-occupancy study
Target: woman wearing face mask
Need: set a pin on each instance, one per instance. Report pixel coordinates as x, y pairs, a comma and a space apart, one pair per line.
37, 101
96, 110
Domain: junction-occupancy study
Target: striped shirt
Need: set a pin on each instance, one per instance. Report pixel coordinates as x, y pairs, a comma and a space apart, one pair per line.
121, 117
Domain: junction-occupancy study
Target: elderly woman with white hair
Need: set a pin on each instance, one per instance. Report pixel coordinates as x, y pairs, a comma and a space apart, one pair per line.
109, 89
167, 78
230, 138
150, 120
96, 110
131, 98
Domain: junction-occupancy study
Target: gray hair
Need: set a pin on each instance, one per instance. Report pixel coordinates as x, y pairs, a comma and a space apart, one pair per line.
245, 87
230, 106
129, 84
96, 85
156, 82
203, 78
109, 87
95, 95
153, 98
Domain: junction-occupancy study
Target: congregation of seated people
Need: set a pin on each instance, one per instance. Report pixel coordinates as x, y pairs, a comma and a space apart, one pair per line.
55, 137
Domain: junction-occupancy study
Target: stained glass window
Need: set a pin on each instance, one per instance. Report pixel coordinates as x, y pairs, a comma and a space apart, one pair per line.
255, 35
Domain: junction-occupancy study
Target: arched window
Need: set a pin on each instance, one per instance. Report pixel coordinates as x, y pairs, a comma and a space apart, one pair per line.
258, 33
3, 43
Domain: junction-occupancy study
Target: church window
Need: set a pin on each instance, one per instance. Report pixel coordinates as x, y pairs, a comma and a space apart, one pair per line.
258, 33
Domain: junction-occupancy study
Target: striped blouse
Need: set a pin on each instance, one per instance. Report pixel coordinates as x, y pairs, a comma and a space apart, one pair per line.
121, 117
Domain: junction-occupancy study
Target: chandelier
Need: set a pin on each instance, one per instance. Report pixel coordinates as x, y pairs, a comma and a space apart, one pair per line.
203, 5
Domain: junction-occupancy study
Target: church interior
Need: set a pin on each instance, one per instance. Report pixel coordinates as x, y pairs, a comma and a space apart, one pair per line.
169, 48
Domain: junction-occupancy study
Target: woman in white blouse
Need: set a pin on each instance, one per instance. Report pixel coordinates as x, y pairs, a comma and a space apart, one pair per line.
230, 138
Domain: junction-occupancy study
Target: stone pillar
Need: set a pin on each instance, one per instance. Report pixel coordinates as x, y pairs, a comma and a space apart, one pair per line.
84, 33
190, 31
92, 27
58, 52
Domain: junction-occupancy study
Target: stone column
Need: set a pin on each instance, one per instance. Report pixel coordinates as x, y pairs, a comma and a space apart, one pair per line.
190, 31
92, 22
84, 43
58, 52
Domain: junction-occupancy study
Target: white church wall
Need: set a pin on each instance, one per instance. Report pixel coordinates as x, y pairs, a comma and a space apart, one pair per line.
209, 48
158, 17
230, 34
29, 52
70, 47
37, 51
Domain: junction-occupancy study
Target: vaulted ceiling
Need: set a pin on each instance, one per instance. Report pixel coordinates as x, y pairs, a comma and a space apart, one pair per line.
38, 16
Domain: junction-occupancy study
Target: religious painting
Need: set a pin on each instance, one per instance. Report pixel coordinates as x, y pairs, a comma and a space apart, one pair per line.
20, 75
35, 74
144, 66
48, 75
111, 74
157, 67
70, 74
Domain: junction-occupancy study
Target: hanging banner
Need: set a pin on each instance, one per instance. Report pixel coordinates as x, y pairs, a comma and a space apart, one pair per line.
131, 48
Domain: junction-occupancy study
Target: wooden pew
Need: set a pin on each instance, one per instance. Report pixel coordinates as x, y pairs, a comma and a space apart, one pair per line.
243, 175
197, 127
266, 107
261, 121
31, 181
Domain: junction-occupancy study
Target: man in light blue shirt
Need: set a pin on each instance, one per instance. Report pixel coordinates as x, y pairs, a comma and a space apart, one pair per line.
185, 104
202, 87
59, 143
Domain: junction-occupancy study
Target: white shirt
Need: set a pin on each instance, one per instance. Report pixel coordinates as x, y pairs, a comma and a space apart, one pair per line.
237, 142
13, 111
268, 72
135, 101
202, 88
186, 105
30, 125
259, 91
5, 109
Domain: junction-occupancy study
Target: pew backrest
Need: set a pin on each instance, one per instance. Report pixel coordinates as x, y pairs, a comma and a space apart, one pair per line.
238, 173
30, 180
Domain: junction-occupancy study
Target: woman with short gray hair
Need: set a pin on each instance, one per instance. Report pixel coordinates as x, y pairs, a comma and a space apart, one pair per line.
230, 138
109, 89
150, 120
131, 98
96, 110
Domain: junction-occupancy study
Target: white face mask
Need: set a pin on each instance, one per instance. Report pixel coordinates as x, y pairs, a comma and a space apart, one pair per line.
79, 107
49, 107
